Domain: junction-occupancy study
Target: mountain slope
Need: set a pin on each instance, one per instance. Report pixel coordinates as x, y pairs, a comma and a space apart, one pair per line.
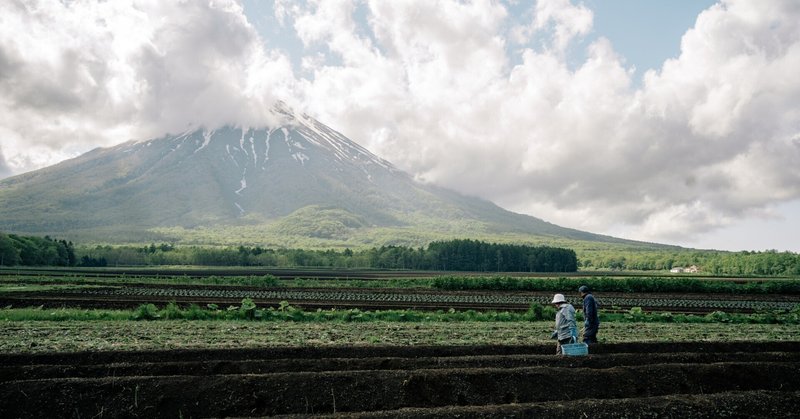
275, 186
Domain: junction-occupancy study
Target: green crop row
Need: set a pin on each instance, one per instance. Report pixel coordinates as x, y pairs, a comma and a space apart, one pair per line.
487, 299
248, 310
606, 284
566, 285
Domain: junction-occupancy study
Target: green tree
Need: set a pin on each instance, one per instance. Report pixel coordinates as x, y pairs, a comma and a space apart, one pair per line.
9, 254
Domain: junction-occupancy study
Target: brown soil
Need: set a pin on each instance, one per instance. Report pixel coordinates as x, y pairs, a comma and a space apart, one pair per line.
735, 404
125, 297
639, 380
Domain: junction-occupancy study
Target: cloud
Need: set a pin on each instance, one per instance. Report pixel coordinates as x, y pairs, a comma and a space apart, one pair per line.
562, 20
74, 75
5, 171
706, 139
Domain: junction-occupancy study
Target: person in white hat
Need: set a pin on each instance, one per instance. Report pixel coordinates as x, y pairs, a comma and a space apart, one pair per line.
566, 328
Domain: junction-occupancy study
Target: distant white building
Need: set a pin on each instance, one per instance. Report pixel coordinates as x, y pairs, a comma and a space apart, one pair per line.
690, 270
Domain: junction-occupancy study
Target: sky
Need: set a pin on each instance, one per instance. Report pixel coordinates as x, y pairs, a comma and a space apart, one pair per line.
665, 121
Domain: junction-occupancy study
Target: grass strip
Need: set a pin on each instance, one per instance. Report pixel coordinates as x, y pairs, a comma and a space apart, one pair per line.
251, 281
76, 335
248, 311
25, 287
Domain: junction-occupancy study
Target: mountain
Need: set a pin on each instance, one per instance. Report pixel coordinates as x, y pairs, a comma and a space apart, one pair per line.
297, 184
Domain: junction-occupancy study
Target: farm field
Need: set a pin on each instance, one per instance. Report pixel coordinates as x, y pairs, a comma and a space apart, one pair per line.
127, 296
701, 379
369, 290
81, 336
307, 361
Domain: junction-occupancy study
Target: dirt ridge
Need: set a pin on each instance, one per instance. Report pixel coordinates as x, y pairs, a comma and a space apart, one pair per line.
430, 381
288, 365
739, 404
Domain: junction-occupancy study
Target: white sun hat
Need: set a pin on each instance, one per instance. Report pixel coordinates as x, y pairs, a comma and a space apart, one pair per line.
559, 298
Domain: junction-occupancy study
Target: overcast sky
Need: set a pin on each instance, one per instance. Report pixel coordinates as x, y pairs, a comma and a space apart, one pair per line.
675, 122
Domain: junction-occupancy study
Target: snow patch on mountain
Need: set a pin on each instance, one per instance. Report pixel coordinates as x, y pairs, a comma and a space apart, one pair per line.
266, 148
322, 136
243, 182
253, 149
206, 139
241, 140
300, 157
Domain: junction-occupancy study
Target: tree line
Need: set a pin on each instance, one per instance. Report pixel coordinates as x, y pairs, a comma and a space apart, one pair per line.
454, 255
745, 263
474, 255
35, 251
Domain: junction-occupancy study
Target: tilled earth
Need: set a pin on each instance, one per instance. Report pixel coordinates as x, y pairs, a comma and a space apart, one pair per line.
132, 295
736, 379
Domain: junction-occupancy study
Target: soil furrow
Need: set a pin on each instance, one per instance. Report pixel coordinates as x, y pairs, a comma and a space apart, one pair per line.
266, 366
359, 391
739, 404
312, 352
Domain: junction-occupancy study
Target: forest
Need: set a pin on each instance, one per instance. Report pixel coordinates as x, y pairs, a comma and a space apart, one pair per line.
711, 262
35, 251
455, 255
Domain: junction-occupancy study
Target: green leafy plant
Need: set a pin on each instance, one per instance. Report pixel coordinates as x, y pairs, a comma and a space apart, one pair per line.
636, 314
146, 312
248, 309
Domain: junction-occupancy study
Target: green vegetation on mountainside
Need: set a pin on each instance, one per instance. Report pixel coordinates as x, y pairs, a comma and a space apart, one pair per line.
320, 227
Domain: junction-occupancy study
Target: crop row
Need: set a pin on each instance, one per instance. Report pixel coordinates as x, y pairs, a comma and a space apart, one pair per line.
428, 298
608, 284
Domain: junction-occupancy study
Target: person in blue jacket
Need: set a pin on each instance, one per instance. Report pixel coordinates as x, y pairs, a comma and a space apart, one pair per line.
591, 322
566, 330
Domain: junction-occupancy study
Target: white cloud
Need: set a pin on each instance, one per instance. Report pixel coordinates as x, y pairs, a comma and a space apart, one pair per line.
5, 171
74, 75
561, 19
705, 140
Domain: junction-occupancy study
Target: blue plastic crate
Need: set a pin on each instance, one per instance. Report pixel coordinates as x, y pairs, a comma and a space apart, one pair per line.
575, 349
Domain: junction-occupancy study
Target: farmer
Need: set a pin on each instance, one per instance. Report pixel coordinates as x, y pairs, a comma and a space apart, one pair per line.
566, 329
590, 320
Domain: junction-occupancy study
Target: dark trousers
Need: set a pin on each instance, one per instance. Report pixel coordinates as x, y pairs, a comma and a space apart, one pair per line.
590, 334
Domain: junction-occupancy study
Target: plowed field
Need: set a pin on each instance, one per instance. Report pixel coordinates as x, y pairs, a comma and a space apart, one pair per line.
132, 295
740, 379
